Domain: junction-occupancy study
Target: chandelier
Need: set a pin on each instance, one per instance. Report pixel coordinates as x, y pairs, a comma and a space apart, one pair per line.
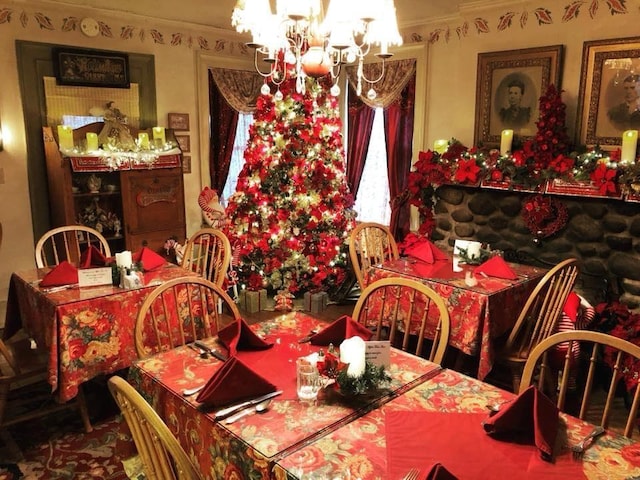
299, 40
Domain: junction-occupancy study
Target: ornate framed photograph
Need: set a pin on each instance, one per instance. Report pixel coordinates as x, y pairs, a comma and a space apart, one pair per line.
609, 100
90, 68
508, 87
184, 142
178, 121
186, 164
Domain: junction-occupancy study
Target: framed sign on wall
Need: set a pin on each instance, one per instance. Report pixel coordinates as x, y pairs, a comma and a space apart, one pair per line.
90, 68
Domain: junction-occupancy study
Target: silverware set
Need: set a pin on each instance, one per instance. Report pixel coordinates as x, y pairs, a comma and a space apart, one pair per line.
579, 449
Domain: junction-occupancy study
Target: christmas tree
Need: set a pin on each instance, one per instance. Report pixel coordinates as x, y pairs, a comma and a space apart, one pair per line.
292, 212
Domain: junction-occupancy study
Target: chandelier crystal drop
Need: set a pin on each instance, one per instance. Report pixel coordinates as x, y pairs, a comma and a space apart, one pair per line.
300, 41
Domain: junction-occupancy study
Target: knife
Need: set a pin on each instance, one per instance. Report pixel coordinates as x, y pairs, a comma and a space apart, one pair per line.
225, 412
210, 351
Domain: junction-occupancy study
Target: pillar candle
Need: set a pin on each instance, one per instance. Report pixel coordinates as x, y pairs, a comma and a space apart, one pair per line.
92, 142
65, 137
352, 351
143, 140
124, 259
629, 144
158, 134
506, 139
440, 146
414, 218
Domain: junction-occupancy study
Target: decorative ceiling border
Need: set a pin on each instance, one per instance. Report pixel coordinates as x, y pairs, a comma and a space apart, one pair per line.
510, 19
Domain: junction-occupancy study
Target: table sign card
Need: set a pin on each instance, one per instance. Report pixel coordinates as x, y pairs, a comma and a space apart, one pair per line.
91, 277
378, 353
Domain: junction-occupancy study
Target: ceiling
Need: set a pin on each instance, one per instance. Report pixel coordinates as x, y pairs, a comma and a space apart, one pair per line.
217, 13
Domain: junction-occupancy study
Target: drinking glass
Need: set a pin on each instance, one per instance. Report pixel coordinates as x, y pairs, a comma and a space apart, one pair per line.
308, 380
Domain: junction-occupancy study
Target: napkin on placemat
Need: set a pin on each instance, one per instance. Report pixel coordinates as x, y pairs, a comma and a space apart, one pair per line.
62, 274
92, 257
496, 267
343, 328
425, 251
234, 382
571, 306
150, 260
532, 417
239, 336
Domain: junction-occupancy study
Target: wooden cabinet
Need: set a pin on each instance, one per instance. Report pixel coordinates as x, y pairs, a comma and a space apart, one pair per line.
133, 204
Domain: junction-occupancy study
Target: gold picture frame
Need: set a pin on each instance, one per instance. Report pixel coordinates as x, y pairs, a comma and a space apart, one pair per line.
178, 121
528, 71
605, 66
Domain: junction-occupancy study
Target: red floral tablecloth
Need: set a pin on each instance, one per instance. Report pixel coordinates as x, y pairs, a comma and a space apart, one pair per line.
89, 331
249, 447
439, 431
478, 314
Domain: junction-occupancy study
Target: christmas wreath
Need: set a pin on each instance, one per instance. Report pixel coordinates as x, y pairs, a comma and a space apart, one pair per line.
544, 216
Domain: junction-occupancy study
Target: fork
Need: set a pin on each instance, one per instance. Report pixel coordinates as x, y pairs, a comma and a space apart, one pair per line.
411, 474
579, 449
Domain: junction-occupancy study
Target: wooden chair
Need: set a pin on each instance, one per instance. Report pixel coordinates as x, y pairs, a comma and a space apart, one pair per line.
540, 364
162, 456
370, 244
24, 392
67, 243
539, 317
405, 306
181, 311
208, 253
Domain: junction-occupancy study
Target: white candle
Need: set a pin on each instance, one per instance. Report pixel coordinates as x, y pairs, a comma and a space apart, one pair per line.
65, 137
414, 218
440, 146
92, 142
143, 140
158, 134
629, 144
124, 259
506, 139
352, 351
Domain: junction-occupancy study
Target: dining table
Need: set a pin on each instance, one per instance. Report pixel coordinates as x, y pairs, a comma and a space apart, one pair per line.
87, 331
249, 447
439, 422
481, 308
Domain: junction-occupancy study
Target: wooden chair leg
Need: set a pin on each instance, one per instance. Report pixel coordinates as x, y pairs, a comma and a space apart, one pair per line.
84, 411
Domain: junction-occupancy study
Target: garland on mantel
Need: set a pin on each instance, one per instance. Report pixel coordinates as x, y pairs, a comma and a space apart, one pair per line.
530, 167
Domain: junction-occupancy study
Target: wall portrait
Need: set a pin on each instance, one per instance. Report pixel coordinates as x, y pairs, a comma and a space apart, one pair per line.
509, 85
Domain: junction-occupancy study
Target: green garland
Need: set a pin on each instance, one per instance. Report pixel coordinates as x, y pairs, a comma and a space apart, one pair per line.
464, 256
373, 378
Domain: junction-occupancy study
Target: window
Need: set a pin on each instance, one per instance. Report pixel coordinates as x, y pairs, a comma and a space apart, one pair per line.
237, 158
372, 201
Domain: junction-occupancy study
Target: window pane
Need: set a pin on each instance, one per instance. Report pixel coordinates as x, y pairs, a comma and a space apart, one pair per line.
237, 158
372, 202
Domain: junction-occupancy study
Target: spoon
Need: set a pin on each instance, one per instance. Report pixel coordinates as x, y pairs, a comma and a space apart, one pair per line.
259, 408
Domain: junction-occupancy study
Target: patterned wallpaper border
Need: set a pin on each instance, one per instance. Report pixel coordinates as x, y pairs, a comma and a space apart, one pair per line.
539, 16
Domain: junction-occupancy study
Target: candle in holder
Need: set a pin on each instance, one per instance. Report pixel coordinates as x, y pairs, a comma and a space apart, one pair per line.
158, 134
65, 137
143, 140
92, 142
124, 259
352, 351
506, 139
440, 146
629, 145
414, 218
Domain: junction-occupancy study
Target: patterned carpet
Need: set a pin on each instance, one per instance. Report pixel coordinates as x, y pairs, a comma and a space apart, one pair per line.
56, 446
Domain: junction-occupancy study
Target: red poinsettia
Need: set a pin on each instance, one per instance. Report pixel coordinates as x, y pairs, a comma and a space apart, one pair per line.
605, 179
467, 171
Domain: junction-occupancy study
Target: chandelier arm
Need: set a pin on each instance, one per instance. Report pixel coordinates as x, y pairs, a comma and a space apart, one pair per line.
361, 72
255, 63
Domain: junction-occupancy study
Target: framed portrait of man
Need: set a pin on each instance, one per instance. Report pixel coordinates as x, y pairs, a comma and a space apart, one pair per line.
609, 100
508, 88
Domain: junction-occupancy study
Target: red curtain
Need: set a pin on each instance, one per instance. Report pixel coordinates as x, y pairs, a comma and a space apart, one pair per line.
398, 126
222, 134
359, 124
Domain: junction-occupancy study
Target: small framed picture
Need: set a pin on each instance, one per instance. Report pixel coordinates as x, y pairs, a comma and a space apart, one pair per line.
186, 164
184, 142
178, 121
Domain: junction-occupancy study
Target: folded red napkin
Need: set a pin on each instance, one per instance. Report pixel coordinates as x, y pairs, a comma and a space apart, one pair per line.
532, 417
571, 306
92, 257
496, 267
343, 328
425, 251
239, 336
234, 382
62, 274
149, 259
